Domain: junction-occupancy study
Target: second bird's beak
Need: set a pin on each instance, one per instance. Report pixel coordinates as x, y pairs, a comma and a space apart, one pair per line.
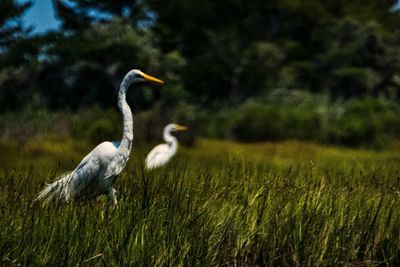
181, 128
151, 79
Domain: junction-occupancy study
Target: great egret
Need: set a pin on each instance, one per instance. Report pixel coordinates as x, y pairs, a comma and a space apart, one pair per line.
161, 154
97, 172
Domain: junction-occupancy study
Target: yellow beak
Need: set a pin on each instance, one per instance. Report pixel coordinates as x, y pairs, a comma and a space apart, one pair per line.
181, 128
152, 79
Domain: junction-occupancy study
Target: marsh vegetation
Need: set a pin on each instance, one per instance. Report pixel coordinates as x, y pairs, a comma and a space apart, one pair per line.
217, 204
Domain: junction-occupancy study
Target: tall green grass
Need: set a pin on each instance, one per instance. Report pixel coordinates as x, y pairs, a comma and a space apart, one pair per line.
217, 204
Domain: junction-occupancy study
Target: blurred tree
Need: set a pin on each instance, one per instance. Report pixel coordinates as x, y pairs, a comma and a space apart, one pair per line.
217, 40
18, 56
90, 65
98, 43
11, 29
356, 59
213, 52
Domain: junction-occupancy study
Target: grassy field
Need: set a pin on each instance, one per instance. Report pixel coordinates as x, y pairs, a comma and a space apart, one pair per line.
217, 204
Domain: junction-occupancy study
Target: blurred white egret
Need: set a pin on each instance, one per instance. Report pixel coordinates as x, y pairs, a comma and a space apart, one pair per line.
161, 154
97, 172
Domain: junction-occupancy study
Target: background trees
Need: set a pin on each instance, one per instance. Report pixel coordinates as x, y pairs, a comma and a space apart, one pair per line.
319, 46
216, 56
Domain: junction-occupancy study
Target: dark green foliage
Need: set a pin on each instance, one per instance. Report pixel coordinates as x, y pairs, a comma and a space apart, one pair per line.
100, 130
360, 59
368, 122
231, 52
95, 63
281, 117
222, 62
326, 46
18, 55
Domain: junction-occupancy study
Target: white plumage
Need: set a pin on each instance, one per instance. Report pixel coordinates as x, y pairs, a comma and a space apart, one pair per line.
97, 172
161, 154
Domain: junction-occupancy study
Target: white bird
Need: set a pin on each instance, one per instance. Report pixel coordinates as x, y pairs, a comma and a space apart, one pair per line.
97, 172
162, 153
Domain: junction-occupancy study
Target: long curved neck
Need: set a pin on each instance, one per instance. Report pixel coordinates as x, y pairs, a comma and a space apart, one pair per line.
171, 140
127, 136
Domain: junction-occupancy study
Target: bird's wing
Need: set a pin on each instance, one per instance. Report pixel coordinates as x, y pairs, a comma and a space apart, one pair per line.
93, 166
158, 156
87, 170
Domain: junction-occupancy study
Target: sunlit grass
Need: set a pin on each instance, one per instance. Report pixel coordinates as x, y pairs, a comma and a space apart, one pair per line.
217, 204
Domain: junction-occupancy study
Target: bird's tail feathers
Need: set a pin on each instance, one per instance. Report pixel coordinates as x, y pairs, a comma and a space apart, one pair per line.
57, 190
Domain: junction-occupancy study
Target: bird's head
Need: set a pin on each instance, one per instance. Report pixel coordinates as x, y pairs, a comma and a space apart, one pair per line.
135, 76
176, 127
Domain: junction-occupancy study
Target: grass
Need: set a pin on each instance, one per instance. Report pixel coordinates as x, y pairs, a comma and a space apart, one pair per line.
217, 204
